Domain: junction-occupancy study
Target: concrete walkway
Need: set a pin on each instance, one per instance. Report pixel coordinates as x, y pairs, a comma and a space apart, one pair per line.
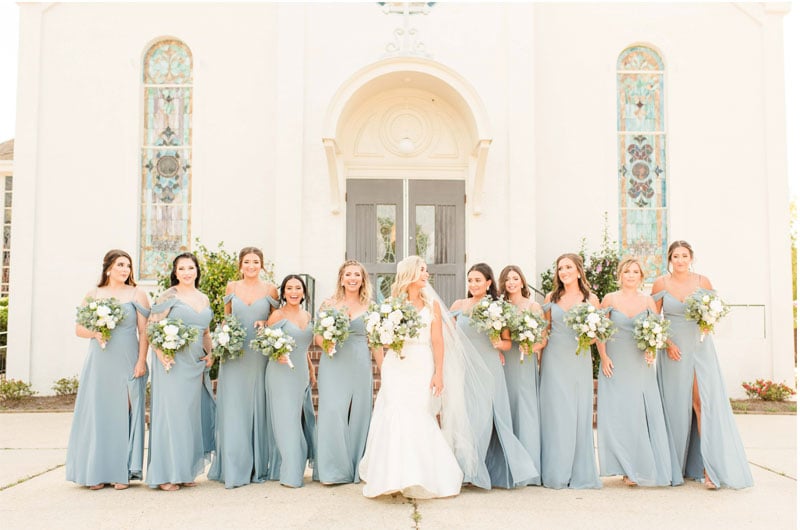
35, 495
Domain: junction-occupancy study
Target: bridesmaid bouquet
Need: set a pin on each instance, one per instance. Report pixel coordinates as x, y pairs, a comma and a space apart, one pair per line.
101, 315
705, 308
492, 316
590, 324
228, 339
651, 333
528, 329
170, 335
333, 325
274, 343
390, 323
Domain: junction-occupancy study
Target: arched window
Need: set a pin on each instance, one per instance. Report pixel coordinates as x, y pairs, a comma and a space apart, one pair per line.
641, 144
166, 156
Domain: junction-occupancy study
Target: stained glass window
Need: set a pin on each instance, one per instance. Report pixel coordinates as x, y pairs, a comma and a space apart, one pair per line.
166, 156
641, 146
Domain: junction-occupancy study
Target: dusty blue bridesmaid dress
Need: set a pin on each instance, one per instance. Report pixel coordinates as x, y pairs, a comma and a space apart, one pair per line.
719, 450
522, 380
182, 406
565, 401
507, 460
291, 410
631, 432
345, 407
106, 443
242, 454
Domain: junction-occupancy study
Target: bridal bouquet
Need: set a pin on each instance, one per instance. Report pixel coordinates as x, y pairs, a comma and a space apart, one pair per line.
492, 316
705, 308
390, 323
528, 328
274, 343
651, 333
589, 323
101, 315
170, 335
333, 325
228, 339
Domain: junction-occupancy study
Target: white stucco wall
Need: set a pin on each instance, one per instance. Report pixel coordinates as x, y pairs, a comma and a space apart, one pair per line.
265, 76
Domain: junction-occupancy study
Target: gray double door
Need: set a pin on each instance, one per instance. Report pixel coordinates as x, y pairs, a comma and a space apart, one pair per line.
388, 220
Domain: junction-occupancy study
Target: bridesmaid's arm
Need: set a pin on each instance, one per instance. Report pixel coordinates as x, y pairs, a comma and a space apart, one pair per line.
141, 326
312, 375
377, 354
207, 347
437, 344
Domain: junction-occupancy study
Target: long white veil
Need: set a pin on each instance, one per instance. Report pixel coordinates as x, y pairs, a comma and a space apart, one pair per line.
466, 403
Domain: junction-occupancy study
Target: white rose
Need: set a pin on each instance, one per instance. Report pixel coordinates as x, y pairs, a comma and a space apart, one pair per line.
592, 318
110, 324
171, 330
495, 310
226, 328
327, 322
591, 334
656, 329
387, 337
103, 311
279, 343
584, 328
716, 306
170, 345
645, 324
497, 325
327, 335
386, 309
396, 316
223, 339
706, 298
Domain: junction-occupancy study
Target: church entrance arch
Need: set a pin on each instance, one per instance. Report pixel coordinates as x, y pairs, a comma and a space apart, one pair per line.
405, 153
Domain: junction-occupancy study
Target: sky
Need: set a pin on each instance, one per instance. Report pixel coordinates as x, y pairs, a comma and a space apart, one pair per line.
9, 35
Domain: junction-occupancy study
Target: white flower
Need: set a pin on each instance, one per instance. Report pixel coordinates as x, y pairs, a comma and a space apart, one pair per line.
171, 330
592, 318
327, 322
591, 334
226, 328
646, 325
328, 335
92, 305
386, 309
706, 298
110, 324
223, 339
103, 310
497, 325
396, 316
495, 311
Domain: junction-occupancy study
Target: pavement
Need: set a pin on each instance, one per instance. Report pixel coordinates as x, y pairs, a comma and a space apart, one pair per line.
34, 494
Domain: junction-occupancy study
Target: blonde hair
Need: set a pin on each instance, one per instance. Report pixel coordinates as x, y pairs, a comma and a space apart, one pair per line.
408, 272
364, 292
626, 263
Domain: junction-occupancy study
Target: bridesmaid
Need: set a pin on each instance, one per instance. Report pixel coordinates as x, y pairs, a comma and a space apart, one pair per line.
697, 410
507, 461
631, 434
181, 398
522, 378
345, 385
106, 443
565, 390
242, 437
289, 390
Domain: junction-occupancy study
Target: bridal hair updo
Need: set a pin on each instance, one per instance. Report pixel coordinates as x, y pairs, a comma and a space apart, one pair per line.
364, 292
108, 261
408, 272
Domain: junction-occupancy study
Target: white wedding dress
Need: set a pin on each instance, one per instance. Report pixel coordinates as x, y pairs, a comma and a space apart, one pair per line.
406, 451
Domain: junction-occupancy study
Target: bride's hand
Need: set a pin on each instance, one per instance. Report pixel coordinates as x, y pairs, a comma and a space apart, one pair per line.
437, 384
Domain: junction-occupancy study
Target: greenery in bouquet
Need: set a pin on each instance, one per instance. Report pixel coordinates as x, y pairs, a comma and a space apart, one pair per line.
706, 309
228, 339
590, 324
528, 328
491, 316
333, 325
274, 343
171, 335
651, 332
392, 322
100, 314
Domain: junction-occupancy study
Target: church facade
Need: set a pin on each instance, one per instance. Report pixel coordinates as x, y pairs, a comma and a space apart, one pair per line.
461, 132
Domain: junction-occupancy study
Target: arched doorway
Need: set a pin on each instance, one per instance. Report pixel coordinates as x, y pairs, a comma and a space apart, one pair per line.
407, 151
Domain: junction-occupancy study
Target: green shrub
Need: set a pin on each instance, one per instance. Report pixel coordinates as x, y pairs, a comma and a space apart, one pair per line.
66, 386
601, 272
13, 389
3, 320
767, 390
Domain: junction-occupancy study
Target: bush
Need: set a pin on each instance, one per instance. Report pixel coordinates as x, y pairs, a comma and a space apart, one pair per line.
601, 271
767, 390
218, 268
3, 320
13, 389
66, 386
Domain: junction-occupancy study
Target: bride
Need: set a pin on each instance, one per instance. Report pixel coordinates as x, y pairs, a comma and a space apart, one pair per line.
406, 450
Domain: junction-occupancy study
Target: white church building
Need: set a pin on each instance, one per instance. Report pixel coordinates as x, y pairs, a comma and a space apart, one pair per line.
462, 132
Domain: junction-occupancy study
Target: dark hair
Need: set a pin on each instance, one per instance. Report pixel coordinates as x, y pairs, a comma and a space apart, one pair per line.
583, 283
173, 277
504, 276
251, 250
293, 277
108, 261
487, 273
676, 245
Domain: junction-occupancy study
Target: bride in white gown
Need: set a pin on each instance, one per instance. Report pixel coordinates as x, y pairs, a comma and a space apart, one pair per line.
406, 450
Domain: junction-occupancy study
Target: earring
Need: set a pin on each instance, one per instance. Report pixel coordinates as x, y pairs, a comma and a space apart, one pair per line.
108, 273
